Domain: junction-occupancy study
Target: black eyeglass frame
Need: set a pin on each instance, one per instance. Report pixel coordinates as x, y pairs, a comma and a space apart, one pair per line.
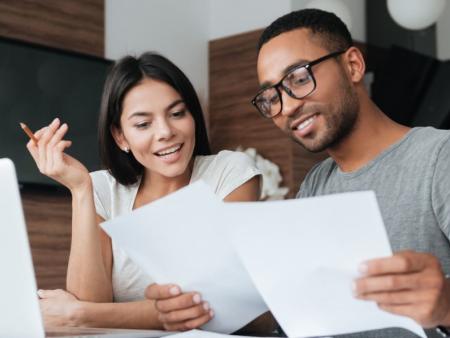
308, 66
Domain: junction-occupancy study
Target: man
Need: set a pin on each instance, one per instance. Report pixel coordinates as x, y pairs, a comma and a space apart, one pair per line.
312, 88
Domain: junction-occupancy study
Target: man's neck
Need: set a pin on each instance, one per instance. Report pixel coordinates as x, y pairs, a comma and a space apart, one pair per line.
373, 133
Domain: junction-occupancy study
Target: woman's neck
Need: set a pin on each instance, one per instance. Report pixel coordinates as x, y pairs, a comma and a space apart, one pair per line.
154, 186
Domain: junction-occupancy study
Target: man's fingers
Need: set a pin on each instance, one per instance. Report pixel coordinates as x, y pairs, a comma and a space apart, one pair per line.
185, 314
158, 292
402, 262
402, 310
414, 281
399, 297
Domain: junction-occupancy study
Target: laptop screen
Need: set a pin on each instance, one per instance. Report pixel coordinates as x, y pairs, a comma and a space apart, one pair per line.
19, 313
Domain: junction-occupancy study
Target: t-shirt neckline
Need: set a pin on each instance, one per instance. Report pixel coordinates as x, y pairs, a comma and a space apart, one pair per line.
378, 158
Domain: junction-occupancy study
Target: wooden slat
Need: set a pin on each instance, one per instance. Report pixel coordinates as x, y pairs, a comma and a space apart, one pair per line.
48, 218
75, 25
233, 119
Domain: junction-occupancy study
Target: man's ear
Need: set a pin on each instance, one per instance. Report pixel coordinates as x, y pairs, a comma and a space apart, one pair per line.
356, 66
119, 137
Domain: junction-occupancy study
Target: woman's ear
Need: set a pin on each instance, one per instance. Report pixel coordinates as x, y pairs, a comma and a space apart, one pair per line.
355, 64
119, 137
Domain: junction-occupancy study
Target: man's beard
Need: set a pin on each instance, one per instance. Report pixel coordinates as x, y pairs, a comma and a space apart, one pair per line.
339, 123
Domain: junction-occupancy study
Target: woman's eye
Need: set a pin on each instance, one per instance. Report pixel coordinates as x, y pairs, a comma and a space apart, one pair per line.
142, 125
179, 113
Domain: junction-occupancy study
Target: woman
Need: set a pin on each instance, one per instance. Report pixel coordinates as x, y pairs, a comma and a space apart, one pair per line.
152, 142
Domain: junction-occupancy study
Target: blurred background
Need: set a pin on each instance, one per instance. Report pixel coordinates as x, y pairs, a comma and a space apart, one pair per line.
54, 56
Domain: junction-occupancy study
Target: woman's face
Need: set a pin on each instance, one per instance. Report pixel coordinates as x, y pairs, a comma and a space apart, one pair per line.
157, 128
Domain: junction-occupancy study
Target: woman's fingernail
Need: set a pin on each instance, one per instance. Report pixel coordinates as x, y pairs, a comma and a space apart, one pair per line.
197, 299
363, 268
354, 291
211, 313
206, 306
174, 291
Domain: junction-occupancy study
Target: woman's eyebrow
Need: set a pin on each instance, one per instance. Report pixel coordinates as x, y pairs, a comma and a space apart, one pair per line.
143, 113
174, 103
138, 114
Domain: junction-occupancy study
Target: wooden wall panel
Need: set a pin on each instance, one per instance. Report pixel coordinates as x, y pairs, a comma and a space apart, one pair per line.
233, 119
48, 217
75, 25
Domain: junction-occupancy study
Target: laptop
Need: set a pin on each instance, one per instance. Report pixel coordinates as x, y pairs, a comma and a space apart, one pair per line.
20, 315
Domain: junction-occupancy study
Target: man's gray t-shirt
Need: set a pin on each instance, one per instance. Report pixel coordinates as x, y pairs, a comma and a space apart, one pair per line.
411, 180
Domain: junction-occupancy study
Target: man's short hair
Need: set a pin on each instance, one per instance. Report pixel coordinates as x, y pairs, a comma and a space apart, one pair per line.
333, 34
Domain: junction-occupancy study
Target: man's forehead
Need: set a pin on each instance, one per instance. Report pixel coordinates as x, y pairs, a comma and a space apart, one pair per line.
283, 51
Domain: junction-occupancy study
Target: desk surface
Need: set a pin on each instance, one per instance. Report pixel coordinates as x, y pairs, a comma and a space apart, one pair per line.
55, 332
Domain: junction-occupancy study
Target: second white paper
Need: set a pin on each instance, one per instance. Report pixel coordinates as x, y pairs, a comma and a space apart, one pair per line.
303, 256
176, 240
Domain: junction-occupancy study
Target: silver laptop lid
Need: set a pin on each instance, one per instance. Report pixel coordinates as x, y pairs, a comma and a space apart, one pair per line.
19, 310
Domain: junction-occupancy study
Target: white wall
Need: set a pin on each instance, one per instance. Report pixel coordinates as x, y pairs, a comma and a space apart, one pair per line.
357, 10
177, 29
443, 34
181, 29
230, 17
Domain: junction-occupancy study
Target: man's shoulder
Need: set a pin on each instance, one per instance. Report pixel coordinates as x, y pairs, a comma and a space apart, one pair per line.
322, 168
428, 137
316, 176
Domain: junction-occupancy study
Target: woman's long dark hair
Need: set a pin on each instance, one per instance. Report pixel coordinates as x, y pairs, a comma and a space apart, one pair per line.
127, 73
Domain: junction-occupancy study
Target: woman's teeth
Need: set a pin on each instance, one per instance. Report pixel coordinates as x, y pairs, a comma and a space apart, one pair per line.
169, 151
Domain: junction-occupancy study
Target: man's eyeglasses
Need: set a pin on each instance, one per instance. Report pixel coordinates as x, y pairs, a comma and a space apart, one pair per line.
298, 83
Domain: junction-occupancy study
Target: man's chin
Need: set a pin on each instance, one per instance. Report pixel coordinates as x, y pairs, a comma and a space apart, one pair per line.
311, 144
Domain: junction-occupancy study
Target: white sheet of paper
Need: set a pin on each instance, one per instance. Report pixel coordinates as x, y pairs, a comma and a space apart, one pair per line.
176, 240
303, 255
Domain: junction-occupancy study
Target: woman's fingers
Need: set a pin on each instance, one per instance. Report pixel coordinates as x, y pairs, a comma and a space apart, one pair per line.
58, 156
33, 147
197, 322
48, 152
42, 145
58, 135
48, 293
54, 152
190, 323
162, 291
183, 315
183, 301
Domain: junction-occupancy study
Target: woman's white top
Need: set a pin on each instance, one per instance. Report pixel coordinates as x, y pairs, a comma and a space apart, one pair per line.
223, 172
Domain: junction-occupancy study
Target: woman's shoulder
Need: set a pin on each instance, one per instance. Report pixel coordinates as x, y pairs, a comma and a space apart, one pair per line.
110, 197
102, 178
224, 171
227, 159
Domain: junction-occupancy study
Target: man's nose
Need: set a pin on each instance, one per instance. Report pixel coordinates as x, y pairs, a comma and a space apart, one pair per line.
290, 105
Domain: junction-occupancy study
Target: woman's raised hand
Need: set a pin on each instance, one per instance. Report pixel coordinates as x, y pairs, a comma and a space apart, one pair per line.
51, 160
178, 311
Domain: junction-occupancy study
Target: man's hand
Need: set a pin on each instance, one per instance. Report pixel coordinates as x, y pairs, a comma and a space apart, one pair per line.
408, 283
178, 311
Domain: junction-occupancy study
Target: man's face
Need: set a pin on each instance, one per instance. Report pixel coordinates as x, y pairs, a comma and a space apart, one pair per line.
326, 116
